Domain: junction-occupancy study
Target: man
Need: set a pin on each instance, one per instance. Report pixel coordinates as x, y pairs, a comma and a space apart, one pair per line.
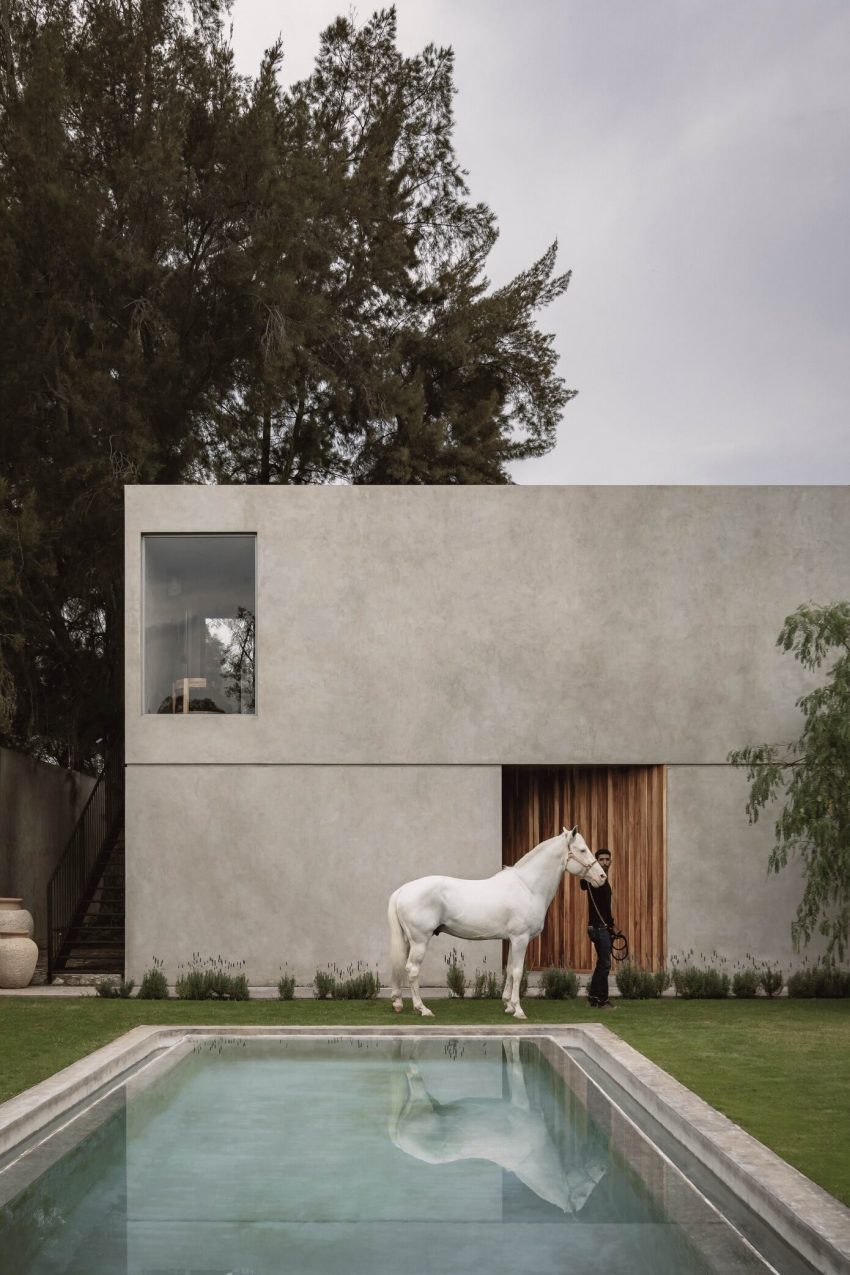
601, 929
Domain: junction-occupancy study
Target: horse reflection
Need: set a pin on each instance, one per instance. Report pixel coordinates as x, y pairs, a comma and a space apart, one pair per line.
507, 1132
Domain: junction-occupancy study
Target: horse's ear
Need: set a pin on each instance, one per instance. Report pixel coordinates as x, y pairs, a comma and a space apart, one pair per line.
574, 831
564, 832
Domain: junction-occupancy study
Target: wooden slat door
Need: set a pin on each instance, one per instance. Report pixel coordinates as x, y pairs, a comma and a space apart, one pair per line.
621, 807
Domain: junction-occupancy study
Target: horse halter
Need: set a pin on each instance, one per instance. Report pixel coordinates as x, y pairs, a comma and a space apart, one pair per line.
585, 868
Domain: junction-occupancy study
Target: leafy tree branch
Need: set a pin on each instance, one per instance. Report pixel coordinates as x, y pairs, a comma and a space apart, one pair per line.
811, 775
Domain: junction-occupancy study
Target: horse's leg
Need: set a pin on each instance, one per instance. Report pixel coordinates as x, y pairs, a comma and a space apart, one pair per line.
507, 990
415, 957
395, 992
416, 1086
399, 948
517, 959
516, 1078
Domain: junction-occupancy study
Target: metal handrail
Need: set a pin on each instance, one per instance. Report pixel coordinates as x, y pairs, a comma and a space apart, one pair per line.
73, 873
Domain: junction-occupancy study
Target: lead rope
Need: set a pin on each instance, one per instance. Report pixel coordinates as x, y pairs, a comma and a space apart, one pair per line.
619, 942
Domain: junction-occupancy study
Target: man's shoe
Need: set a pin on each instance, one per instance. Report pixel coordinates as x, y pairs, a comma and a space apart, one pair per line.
592, 1002
605, 1005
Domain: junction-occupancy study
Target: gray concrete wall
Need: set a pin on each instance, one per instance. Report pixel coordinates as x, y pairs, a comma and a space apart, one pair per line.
39, 807
492, 625
445, 632
721, 897
295, 864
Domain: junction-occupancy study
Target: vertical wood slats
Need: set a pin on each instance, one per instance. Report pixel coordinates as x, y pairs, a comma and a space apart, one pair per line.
622, 807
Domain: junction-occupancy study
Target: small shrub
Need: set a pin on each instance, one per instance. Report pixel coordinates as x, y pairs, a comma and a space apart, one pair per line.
637, 984
455, 976
361, 984
110, 990
238, 989
821, 981
745, 983
154, 983
212, 980
772, 981
715, 984
559, 985
325, 985
356, 983
286, 987
693, 983
486, 986
803, 983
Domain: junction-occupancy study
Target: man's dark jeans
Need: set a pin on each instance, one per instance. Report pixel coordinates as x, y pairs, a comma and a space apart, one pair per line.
601, 940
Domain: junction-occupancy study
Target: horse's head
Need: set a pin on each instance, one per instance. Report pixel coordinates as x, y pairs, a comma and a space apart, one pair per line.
578, 859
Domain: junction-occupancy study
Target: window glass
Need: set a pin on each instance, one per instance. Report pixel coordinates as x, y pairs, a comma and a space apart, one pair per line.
199, 605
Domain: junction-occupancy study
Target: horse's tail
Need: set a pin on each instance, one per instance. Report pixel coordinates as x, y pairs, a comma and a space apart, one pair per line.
399, 948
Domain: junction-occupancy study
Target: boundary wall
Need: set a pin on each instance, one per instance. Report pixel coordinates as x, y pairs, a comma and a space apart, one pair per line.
39, 807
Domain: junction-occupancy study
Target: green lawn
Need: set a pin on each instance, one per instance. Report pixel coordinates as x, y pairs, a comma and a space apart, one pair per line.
778, 1068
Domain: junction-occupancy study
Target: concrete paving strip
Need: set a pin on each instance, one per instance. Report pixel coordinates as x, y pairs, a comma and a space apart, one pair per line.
806, 1217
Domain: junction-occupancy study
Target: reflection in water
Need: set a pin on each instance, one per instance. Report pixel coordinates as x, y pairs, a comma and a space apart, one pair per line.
508, 1132
271, 1157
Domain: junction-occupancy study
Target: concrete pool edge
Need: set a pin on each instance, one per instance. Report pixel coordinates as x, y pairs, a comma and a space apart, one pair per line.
810, 1220
806, 1217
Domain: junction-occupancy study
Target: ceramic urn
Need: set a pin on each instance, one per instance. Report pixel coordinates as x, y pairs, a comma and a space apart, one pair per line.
18, 959
18, 952
14, 918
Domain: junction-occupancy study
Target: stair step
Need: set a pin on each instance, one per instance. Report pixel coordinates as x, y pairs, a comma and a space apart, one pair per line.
104, 923
106, 934
94, 944
85, 933
92, 931
103, 963
110, 944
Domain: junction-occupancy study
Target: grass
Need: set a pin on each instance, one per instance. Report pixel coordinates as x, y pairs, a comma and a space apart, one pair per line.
777, 1068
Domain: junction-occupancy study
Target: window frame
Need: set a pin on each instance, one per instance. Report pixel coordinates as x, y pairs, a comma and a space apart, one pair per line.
151, 535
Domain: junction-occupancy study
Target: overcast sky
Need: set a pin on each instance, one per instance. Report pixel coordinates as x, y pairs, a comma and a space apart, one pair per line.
692, 159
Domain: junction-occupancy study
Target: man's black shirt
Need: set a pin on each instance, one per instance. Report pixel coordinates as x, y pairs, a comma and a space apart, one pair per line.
601, 896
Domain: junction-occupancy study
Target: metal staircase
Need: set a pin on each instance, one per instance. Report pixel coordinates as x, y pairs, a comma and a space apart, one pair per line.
85, 895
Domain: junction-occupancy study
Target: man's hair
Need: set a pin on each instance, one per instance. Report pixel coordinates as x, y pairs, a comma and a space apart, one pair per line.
603, 850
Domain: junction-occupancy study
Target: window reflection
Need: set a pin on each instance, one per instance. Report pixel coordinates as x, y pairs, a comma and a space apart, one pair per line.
199, 617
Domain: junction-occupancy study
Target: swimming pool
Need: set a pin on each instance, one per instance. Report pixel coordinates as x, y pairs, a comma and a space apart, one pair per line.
258, 1153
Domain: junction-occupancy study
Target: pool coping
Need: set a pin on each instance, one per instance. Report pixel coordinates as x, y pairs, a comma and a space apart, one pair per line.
806, 1217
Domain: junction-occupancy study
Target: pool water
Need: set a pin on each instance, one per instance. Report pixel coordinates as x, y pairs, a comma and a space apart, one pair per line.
260, 1156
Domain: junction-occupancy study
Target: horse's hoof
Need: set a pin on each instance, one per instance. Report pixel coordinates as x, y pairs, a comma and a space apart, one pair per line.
426, 1012
518, 1013
397, 1008
509, 1009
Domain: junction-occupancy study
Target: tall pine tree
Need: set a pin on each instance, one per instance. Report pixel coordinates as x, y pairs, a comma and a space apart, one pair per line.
380, 355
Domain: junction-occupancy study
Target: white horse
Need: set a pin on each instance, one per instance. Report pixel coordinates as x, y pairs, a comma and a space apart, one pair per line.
511, 905
509, 1133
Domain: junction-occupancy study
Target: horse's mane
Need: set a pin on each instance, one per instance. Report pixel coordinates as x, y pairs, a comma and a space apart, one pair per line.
530, 854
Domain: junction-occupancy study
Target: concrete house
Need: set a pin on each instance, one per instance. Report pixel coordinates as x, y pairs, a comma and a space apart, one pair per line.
331, 690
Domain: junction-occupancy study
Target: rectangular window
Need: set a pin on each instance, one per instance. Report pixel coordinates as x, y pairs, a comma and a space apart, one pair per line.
199, 623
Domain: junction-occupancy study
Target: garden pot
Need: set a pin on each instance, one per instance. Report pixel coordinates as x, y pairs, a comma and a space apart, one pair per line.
14, 918
18, 959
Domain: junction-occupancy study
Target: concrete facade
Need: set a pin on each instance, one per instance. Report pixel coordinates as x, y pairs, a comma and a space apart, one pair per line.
293, 865
410, 642
39, 807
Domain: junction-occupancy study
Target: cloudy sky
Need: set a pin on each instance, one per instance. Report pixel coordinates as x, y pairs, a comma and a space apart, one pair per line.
691, 158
